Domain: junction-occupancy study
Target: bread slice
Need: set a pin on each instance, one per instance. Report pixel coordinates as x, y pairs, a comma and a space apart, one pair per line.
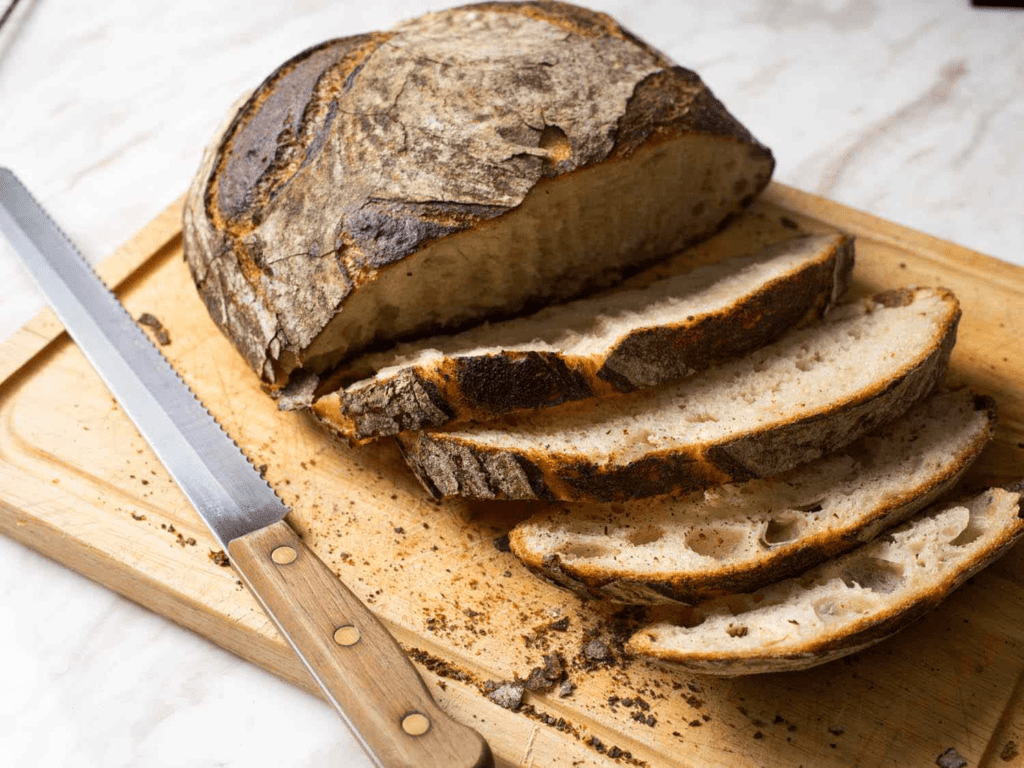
808, 394
847, 604
465, 165
740, 537
615, 342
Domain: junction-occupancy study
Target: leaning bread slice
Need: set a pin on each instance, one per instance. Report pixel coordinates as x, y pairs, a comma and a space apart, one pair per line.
846, 605
810, 393
740, 537
617, 341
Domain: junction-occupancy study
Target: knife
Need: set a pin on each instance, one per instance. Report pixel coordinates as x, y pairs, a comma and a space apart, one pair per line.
353, 658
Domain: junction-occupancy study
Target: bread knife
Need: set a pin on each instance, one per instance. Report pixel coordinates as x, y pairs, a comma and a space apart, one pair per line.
361, 668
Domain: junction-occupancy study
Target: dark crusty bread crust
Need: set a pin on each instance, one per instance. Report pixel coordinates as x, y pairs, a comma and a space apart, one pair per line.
283, 226
451, 464
773, 564
843, 640
479, 386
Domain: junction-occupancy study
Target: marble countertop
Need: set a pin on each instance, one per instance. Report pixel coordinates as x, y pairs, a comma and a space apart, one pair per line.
912, 111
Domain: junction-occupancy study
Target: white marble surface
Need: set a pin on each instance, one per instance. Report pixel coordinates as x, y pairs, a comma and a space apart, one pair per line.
910, 110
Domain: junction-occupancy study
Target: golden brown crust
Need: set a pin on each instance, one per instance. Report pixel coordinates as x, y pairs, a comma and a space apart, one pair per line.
261, 149
781, 562
572, 18
280, 127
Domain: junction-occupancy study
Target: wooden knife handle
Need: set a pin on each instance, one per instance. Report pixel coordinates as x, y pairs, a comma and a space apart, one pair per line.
356, 661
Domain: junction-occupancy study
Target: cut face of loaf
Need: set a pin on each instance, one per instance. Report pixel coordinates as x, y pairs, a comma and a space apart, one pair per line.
466, 165
846, 605
808, 394
617, 341
740, 537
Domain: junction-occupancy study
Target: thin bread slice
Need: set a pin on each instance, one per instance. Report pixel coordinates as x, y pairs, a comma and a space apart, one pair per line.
740, 537
847, 604
808, 394
617, 341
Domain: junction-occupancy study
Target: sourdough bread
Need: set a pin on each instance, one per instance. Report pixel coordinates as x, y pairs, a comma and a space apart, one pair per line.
618, 341
466, 165
740, 537
847, 604
810, 393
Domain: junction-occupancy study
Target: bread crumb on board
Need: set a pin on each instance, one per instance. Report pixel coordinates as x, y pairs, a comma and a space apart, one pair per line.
1010, 751
162, 336
508, 694
219, 558
951, 759
545, 678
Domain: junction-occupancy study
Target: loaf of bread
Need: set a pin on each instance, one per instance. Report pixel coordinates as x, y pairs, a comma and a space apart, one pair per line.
479, 164
741, 537
810, 393
621, 340
466, 165
847, 604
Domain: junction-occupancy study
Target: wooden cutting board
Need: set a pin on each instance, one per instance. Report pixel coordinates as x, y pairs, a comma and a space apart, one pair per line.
78, 484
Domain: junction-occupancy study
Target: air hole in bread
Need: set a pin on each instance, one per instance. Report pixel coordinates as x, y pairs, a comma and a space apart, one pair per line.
976, 525
834, 608
701, 417
874, 573
781, 529
735, 604
811, 506
716, 544
581, 549
646, 535
968, 534
828, 610
952, 532
806, 363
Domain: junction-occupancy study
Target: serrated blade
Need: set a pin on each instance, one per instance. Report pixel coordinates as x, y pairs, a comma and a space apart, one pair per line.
215, 475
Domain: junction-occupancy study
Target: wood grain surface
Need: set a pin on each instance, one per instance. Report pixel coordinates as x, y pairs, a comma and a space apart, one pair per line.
77, 483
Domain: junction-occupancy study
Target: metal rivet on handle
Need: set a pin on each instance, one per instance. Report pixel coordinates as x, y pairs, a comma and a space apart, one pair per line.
347, 635
283, 555
415, 724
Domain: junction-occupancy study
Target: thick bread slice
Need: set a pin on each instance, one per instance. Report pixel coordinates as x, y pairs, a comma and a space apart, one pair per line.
739, 538
847, 604
466, 165
808, 394
618, 341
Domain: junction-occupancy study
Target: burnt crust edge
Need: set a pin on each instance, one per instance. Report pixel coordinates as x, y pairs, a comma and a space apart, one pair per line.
690, 468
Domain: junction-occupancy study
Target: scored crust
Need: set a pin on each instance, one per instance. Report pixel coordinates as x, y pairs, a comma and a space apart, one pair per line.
860, 609
500, 460
672, 328
690, 549
367, 158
